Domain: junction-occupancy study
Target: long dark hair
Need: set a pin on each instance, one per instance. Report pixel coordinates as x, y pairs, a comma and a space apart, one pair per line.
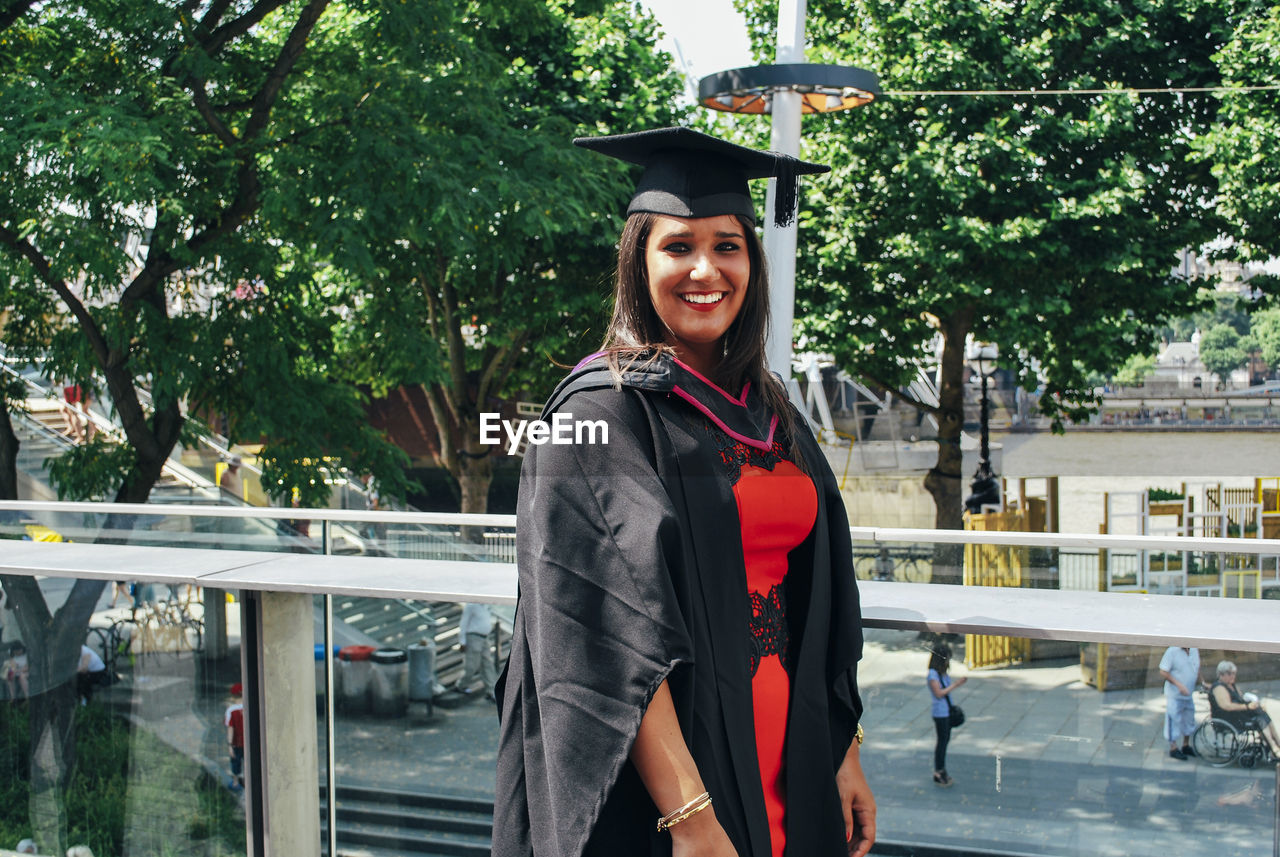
940, 658
636, 334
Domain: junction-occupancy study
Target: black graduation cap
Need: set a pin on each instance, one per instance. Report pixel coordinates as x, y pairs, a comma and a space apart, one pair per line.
690, 174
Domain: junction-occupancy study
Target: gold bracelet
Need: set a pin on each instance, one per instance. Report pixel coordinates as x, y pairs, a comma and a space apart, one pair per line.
676, 816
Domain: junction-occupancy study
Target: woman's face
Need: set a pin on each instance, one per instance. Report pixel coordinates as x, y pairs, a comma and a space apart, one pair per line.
1228, 678
698, 273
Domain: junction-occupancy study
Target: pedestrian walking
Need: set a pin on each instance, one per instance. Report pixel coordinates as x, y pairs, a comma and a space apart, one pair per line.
943, 709
477, 662
1180, 668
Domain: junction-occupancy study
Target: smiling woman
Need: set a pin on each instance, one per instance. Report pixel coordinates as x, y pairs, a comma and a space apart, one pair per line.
688, 613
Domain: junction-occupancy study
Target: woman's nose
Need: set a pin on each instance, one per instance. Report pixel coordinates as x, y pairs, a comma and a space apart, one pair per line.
704, 270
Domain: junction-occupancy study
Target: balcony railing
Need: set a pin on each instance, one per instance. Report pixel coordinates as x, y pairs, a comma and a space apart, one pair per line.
342, 759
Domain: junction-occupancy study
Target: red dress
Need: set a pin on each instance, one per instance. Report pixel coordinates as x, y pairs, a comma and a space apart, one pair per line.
776, 509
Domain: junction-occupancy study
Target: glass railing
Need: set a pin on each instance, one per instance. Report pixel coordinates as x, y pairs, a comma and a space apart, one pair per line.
352, 646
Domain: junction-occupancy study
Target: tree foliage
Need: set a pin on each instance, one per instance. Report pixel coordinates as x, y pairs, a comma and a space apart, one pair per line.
1223, 351
139, 149
1135, 370
1047, 224
473, 245
1266, 332
1242, 146
138, 144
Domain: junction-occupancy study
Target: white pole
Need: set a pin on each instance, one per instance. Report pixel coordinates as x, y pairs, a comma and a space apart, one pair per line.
780, 242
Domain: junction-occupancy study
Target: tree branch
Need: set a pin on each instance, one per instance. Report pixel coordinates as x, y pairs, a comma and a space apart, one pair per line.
455, 346
219, 37
200, 99
212, 15
509, 361
45, 272
494, 358
289, 55
448, 455
32, 614
230, 219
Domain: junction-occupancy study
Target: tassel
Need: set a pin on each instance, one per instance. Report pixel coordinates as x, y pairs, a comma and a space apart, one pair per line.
786, 190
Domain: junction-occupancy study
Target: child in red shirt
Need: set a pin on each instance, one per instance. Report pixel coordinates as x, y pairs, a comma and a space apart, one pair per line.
234, 721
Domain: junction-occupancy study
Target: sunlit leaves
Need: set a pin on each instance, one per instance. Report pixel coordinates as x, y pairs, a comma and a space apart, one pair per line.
1053, 220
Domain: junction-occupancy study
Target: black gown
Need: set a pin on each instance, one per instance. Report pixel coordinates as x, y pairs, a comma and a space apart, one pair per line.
631, 572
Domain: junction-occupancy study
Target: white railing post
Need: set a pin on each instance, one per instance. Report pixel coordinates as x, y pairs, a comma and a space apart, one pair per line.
280, 735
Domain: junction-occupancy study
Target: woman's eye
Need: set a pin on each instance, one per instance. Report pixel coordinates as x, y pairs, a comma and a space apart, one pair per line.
677, 247
727, 247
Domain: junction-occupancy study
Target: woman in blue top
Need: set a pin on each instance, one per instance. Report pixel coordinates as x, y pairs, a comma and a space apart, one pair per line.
941, 685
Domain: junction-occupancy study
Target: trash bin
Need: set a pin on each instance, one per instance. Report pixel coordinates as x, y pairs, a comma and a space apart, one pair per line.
320, 667
353, 684
389, 682
422, 671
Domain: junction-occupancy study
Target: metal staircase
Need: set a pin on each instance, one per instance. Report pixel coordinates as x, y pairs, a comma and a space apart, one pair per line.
389, 823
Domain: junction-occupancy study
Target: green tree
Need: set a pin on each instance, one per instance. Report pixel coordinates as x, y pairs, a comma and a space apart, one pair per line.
1242, 146
1047, 224
1135, 370
1223, 351
164, 121
1266, 331
474, 245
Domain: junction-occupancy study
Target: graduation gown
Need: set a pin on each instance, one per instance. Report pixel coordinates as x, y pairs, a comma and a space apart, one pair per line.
631, 572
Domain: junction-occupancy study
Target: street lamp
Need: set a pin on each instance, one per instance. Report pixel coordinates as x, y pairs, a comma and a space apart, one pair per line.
785, 91
985, 487
822, 88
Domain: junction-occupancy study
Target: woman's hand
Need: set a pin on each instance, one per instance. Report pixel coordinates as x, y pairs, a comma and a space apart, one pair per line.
858, 804
701, 835
960, 681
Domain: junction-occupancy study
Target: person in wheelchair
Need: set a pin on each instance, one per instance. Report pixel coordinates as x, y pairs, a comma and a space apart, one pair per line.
1243, 711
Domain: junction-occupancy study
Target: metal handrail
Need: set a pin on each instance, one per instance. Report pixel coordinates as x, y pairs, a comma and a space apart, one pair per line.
875, 535
273, 512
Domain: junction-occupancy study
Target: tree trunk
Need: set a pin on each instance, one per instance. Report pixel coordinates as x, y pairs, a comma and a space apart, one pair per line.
153, 449
945, 482
53, 653
474, 472
53, 760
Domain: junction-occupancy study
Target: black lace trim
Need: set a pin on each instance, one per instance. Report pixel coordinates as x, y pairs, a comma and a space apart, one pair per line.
769, 632
734, 454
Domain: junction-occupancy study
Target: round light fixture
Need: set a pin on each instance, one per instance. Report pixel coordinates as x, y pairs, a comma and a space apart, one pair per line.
822, 88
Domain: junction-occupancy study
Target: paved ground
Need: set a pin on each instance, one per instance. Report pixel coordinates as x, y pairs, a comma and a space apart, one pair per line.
1044, 765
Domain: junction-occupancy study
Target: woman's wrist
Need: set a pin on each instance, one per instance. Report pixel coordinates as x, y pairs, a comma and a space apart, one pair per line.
697, 826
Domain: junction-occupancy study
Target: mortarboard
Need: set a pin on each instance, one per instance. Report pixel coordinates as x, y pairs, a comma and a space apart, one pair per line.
690, 174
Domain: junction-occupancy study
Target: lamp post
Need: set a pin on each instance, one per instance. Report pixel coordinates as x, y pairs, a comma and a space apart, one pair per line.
985, 487
786, 91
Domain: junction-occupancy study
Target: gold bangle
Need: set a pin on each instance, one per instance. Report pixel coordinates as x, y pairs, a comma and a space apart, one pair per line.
676, 816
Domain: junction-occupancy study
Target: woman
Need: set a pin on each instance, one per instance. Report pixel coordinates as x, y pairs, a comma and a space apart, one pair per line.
1226, 702
686, 641
941, 686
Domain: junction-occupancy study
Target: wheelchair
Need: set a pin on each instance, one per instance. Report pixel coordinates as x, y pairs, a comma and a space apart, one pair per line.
1220, 743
